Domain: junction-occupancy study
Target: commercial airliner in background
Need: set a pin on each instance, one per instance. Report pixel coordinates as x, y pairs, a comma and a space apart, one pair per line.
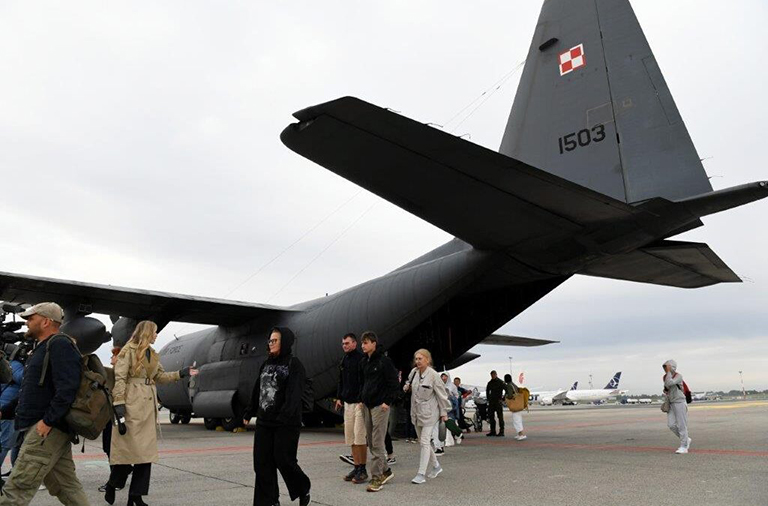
574, 396
547, 398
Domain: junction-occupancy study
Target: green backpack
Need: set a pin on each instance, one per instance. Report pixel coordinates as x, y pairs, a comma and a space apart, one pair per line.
91, 410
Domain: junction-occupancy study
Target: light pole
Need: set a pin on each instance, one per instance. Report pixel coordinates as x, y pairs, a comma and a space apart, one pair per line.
510, 366
743, 392
590, 382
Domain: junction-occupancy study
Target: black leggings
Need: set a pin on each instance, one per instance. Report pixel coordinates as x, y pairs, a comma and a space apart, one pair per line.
275, 449
140, 481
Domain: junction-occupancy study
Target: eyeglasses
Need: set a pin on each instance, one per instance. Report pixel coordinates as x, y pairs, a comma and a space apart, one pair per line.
273, 341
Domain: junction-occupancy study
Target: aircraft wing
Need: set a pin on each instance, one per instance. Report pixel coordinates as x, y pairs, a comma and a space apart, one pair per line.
129, 302
670, 263
482, 197
502, 340
560, 396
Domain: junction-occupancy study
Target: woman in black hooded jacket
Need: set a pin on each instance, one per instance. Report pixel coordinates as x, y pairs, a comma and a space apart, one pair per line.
276, 403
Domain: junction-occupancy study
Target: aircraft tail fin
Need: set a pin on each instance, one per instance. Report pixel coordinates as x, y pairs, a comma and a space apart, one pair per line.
593, 107
614, 383
575, 386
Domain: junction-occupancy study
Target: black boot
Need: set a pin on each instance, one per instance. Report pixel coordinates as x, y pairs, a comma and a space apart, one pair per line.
136, 500
109, 493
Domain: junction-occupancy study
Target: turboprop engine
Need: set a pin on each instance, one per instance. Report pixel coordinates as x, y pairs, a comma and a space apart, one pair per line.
89, 333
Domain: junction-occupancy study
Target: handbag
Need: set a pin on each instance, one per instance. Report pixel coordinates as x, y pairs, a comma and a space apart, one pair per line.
665, 405
516, 403
441, 431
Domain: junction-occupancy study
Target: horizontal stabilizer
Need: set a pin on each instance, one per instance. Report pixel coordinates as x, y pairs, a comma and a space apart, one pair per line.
669, 263
129, 302
502, 340
482, 197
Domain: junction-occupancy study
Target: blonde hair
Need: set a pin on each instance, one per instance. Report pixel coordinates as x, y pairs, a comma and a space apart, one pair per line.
424, 352
142, 336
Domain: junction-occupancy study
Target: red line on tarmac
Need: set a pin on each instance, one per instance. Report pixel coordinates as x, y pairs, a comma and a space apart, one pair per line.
637, 449
213, 449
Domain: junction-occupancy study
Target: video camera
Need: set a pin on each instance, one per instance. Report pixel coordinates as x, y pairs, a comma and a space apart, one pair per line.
13, 344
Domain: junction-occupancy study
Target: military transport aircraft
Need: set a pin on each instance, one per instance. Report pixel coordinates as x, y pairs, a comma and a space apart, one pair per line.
595, 173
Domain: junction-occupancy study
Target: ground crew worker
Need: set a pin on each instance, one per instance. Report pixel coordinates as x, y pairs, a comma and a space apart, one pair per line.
46, 453
494, 392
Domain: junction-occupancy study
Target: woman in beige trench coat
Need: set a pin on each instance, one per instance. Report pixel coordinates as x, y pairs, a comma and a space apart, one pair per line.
137, 370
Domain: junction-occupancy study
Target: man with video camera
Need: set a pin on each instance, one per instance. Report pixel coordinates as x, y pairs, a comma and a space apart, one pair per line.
46, 453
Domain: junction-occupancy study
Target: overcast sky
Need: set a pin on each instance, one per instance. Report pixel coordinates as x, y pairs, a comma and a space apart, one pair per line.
139, 147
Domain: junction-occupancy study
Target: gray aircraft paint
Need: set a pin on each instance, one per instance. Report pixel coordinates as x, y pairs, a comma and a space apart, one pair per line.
647, 151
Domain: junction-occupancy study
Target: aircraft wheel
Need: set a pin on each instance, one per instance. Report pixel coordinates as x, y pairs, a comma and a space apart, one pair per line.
211, 423
175, 417
231, 424
186, 418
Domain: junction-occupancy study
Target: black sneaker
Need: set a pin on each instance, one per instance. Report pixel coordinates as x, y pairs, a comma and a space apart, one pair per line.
361, 476
500, 434
305, 500
491, 434
348, 459
439, 451
391, 460
352, 474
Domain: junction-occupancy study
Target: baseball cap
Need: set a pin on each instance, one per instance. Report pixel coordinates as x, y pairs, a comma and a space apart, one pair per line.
49, 310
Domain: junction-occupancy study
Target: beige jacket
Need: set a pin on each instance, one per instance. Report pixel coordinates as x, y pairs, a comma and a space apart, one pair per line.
429, 397
139, 395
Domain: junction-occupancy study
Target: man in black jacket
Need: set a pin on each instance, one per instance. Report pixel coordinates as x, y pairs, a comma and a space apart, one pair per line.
276, 402
379, 389
494, 392
348, 397
46, 454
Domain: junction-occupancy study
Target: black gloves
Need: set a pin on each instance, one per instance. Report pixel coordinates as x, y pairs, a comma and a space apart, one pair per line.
120, 411
183, 373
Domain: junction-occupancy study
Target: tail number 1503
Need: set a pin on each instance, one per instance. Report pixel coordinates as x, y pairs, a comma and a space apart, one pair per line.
581, 138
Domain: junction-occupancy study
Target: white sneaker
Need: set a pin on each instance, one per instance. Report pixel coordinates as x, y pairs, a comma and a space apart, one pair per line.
689, 443
681, 450
435, 471
459, 439
521, 438
419, 479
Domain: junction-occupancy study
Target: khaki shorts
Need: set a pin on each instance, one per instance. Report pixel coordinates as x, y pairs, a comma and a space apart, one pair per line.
354, 424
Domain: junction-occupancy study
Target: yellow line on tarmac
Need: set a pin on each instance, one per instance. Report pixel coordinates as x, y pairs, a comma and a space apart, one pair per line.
738, 405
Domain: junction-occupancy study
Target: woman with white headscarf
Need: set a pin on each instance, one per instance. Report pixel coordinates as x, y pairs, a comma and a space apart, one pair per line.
677, 416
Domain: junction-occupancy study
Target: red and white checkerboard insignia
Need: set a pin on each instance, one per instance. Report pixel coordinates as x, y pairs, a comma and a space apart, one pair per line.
572, 59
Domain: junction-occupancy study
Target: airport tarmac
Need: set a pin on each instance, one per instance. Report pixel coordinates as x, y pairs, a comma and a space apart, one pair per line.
578, 456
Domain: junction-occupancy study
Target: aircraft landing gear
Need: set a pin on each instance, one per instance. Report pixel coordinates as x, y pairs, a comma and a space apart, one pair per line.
175, 417
231, 424
211, 423
186, 418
